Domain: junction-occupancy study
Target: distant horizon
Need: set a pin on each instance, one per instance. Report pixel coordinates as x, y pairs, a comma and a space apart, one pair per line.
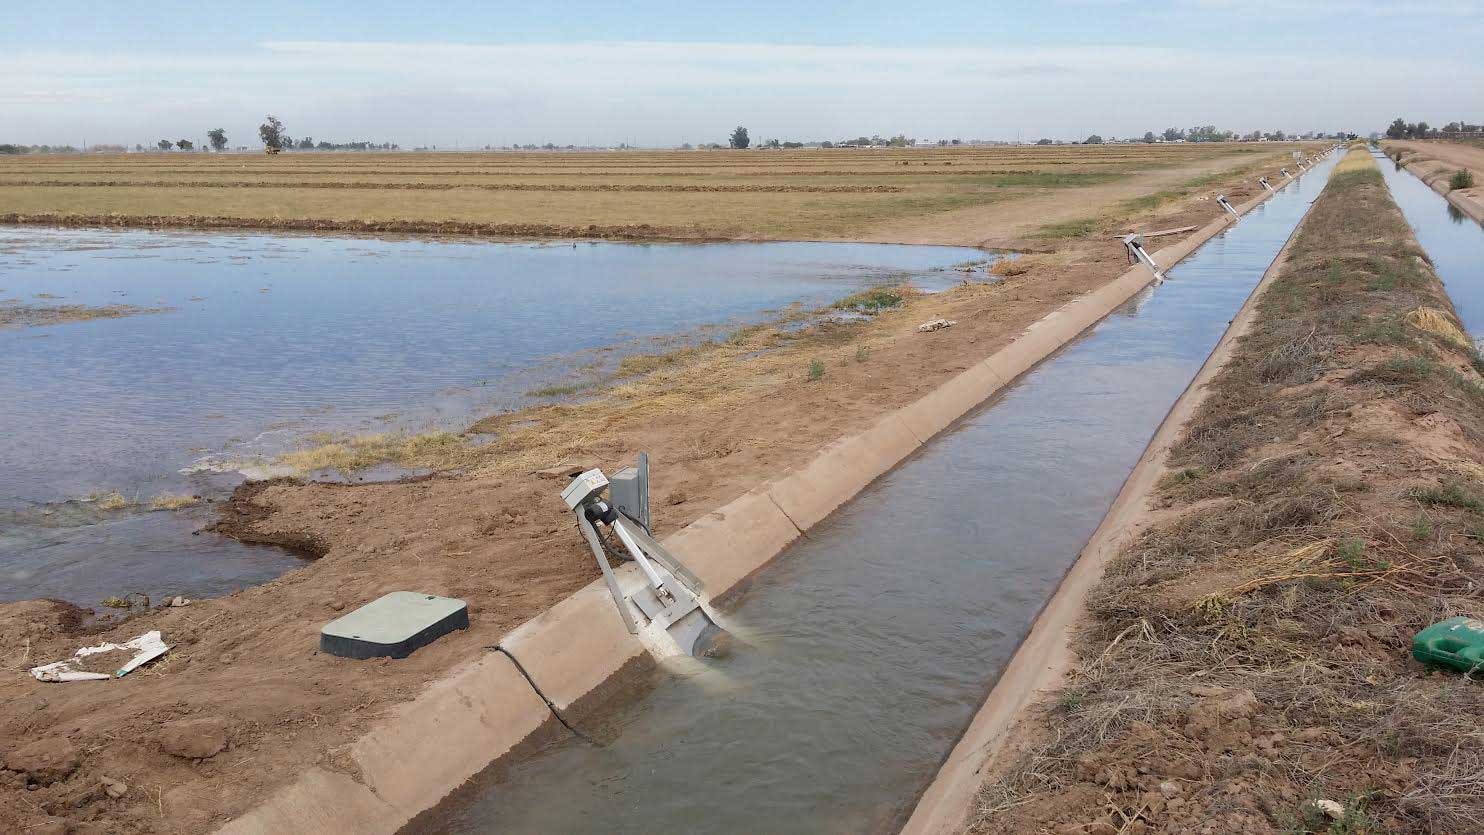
662, 74
199, 147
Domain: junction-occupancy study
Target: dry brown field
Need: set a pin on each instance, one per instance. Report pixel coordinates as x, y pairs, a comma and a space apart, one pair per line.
982, 195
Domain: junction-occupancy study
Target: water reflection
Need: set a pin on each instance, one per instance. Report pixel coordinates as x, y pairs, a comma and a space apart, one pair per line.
267, 338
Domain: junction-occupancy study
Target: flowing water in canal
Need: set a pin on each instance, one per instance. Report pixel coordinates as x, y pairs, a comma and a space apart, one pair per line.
1452, 239
266, 338
870, 643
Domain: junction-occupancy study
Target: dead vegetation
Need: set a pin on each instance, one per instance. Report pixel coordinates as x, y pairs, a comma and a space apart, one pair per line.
689, 195
1246, 664
19, 314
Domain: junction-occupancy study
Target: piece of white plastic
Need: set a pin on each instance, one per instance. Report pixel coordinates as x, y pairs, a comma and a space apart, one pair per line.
147, 647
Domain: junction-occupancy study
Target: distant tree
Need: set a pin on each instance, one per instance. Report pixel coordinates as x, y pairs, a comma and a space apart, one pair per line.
1149, 137
138, 147
739, 138
1421, 130
8, 148
218, 139
899, 141
1043, 141
1172, 134
1398, 129
773, 143
1279, 135
184, 144
164, 144
271, 132
306, 143
1093, 140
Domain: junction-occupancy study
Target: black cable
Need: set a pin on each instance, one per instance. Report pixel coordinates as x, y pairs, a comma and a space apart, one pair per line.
549, 704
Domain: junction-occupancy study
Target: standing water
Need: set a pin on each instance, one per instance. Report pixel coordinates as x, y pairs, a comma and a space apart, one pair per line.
868, 645
265, 338
1453, 241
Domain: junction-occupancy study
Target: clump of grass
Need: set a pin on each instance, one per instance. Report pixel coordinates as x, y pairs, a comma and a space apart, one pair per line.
560, 389
1399, 370
816, 370
1451, 494
126, 601
1422, 529
633, 366
112, 500
1152, 201
1007, 267
1184, 475
744, 333
862, 353
1462, 178
173, 501
366, 451
873, 300
1079, 228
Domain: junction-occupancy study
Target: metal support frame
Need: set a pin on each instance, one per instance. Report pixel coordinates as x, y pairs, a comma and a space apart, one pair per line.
591, 535
669, 598
1226, 204
1135, 246
1265, 184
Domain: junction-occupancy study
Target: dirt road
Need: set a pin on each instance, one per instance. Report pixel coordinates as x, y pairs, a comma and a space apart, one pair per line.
1011, 223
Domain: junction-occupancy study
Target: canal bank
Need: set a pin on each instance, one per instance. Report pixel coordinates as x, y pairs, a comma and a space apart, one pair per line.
1244, 662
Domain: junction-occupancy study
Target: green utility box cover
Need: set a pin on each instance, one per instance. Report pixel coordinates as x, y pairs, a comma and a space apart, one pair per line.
1457, 642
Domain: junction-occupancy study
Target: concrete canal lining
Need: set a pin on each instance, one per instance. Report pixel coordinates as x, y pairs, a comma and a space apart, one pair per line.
1045, 656
410, 759
1438, 181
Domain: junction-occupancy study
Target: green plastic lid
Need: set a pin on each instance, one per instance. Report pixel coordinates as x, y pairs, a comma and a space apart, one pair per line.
1457, 642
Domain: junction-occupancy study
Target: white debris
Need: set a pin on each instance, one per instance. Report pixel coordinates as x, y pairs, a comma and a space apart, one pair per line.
178, 601
935, 325
147, 647
1329, 808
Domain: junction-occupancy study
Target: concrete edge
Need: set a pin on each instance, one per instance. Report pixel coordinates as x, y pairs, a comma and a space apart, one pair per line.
413, 758
1045, 655
1439, 183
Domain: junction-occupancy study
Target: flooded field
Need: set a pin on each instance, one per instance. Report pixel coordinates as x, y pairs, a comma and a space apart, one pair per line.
260, 340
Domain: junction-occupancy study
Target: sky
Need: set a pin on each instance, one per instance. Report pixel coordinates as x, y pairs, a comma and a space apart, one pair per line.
468, 74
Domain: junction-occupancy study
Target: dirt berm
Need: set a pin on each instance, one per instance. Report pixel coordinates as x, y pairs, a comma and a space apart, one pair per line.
1244, 664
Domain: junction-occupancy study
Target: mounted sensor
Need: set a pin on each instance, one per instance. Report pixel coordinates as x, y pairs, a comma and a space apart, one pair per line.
665, 608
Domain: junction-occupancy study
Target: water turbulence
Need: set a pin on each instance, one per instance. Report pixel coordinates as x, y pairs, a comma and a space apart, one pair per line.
259, 340
1452, 240
864, 650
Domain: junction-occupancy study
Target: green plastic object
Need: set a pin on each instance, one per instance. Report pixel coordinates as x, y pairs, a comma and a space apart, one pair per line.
1457, 642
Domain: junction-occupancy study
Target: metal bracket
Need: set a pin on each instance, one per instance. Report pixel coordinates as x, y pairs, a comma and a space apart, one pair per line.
1284, 172
1226, 204
667, 602
1136, 252
591, 535
1265, 184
